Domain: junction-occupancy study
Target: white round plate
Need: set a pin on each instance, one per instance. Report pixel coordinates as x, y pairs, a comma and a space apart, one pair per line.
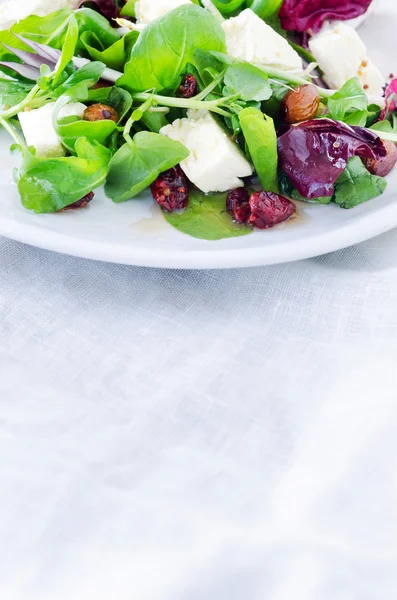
136, 232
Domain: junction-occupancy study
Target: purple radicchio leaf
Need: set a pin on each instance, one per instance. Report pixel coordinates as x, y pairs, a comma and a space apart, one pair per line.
28, 58
46, 52
390, 98
107, 8
314, 154
26, 71
309, 15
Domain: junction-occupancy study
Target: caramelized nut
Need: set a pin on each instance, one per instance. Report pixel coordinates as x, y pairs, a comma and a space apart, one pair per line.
100, 112
383, 166
301, 104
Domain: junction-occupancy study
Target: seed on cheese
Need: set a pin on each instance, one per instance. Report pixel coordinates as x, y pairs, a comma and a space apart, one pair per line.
215, 163
252, 40
38, 129
341, 54
147, 11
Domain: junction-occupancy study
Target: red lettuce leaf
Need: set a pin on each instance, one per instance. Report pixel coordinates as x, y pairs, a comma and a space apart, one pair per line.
305, 15
390, 99
314, 154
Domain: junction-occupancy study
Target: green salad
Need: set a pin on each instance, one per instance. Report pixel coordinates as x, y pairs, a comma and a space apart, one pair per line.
227, 118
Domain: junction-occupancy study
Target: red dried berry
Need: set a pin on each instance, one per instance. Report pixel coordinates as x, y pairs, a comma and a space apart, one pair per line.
237, 204
171, 189
188, 87
82, 203
269, 209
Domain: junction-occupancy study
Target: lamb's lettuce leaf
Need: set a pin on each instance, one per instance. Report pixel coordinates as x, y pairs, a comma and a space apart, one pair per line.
167, 44
49, 184
206, 218
138, 163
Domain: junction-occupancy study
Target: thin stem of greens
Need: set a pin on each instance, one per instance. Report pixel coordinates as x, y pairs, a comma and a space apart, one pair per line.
33, 97
159, 109
213, 105
12, 131
210, 88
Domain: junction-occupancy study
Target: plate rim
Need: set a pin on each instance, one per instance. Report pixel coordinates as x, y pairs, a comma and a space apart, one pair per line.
362, 228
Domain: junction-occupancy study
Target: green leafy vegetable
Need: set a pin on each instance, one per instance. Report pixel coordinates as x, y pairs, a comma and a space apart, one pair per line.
71, 129
356, 185
116, 55
247, 82
48, 185
167, 44
138, 163
206, 218
12, 92
260, 136
265, 8
351, 97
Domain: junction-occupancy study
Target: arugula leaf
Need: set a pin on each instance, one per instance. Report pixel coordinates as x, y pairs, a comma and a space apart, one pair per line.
12, 92
90, 74
138, 163
68, 48
116, 55
49, 184
351, 97
91, 20
265, 8
356, 185
71, 129
260, 136
247, 82
226, 7
206, 218
167, 44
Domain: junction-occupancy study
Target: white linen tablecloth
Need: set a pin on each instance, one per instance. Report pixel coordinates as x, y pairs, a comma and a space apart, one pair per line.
225, 435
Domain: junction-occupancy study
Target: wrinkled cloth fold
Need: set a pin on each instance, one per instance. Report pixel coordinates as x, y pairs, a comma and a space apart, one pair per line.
198, 435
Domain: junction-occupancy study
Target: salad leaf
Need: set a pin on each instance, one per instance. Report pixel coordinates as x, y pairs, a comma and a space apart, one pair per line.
89, 74
138, 163
107, 8
351, 97
49, 184
206, 218
356, 185
247, 82
390, 99
226, 7
116, 55
167, 44
12, 92
314, 154
265, 8
260, 136
71, 129
90, 20
306, 15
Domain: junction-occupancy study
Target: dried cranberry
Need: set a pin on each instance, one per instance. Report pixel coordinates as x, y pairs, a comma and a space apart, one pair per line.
188, 87
237, 204
269, 209
82, 203
171, 189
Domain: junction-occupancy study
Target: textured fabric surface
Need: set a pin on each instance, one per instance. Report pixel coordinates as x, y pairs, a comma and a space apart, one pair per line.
225, 435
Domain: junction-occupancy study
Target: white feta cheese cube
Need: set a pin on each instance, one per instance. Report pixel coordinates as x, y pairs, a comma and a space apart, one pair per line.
147, 11
215, 163
341, 54
251, 39
12, 11
39, 132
